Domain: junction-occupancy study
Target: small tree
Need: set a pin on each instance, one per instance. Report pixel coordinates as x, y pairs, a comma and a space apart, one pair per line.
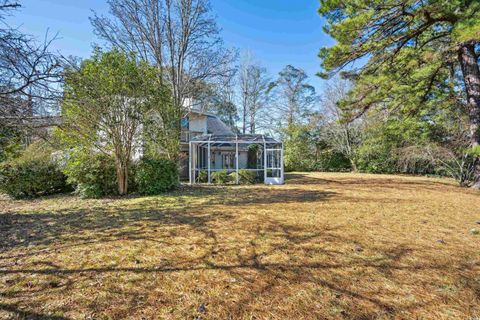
105, 104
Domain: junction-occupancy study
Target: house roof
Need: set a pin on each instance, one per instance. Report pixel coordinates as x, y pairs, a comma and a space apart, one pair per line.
199, 112
217, 127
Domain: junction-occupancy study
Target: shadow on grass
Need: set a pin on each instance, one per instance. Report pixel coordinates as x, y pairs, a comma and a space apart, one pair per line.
23, 314
267, 255
274, 274
44, 228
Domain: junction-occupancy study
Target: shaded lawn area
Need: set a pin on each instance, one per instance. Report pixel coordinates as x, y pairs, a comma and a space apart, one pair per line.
326, 246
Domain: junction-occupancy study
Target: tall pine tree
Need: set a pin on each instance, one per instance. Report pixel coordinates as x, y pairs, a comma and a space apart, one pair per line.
409, 50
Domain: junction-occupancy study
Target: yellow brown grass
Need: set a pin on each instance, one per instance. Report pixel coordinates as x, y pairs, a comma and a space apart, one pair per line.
323, 246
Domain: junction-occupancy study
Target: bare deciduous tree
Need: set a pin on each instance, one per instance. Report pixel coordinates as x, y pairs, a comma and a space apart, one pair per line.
180, 37
224, 98
254, 92
29, 73
244, 87
341, 133
294, 96
259, 95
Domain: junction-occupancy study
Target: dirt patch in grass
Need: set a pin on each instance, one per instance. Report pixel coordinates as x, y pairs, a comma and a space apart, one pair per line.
325, 246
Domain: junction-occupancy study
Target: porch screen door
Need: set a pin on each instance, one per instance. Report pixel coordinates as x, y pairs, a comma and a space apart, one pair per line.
274, 166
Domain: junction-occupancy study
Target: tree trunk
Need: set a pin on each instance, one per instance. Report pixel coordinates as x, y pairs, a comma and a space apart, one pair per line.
244, 128
354, 165
471, 77
290, 118
252, 124
122, 178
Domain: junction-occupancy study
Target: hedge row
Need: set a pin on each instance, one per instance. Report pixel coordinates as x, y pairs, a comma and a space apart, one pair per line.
34, 173
95, 176
32, 178
154, 176
91, 175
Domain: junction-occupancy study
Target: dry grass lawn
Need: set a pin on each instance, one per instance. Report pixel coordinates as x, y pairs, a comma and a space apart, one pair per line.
323, 246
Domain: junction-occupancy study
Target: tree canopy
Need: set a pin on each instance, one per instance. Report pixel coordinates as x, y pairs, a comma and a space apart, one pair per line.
107, 103
413, 56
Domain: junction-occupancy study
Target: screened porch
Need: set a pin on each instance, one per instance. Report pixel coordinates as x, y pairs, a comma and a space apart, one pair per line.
260, 155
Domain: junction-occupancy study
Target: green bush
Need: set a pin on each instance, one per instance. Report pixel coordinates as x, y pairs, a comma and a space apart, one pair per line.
94, 175
220, 177
232, 177
154, 176
377, 158
247, 176
202, 176
34, 173
11, 143
329, 160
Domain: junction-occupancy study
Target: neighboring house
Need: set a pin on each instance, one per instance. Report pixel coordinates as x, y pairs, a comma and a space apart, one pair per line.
18, 113
35, 127
43, 126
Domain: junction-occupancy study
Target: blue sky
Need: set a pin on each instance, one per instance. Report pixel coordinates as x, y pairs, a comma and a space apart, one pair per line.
277, 32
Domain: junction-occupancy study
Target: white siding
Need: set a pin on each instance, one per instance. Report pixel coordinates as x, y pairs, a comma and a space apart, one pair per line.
198, 123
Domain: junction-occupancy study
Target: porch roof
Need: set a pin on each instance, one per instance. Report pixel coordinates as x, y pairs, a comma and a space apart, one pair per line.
234, 138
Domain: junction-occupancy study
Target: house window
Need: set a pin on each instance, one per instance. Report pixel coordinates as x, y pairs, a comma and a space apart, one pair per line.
228, 160
203, 158
185, 123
